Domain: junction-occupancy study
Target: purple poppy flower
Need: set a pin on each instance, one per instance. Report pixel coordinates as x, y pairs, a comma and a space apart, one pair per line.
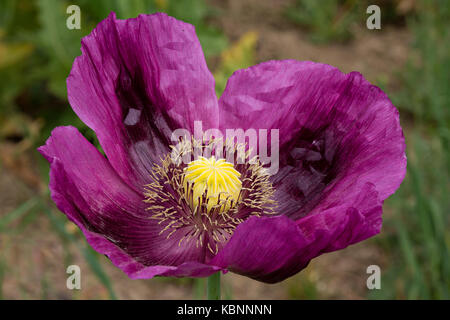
341, 154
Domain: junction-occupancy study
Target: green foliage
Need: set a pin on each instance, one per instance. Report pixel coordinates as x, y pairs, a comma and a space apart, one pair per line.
302, 287
197, 12
327, 20
89, 254
17, 213
426, 79
420, 242
335, 20
59, 44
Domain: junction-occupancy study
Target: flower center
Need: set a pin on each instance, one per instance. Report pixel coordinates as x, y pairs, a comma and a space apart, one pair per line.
212, 183
202, 202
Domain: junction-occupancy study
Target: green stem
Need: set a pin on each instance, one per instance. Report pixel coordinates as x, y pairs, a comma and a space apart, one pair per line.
213, 287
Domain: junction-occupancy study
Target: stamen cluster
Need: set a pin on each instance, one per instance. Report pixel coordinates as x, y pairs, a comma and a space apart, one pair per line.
207, 198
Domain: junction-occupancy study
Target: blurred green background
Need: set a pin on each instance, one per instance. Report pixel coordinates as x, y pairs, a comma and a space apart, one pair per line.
409, 58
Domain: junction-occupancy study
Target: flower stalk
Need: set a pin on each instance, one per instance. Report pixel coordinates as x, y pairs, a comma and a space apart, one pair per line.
213, 287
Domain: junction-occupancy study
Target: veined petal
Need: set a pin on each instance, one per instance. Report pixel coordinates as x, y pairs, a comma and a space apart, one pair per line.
267, 249
337, 132
136, 270
112, 216
136, 81
264, 96
271, 249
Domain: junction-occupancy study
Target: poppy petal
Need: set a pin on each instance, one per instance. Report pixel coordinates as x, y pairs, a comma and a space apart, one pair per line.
136, 81
112, 216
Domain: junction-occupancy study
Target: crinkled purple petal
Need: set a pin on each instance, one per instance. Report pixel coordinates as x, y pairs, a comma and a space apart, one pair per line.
113, 216
342, 153
337, 131
136, 81
136, 270
267, 249
271, 249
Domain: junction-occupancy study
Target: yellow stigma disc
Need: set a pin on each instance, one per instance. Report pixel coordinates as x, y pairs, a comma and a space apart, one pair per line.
218, 180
